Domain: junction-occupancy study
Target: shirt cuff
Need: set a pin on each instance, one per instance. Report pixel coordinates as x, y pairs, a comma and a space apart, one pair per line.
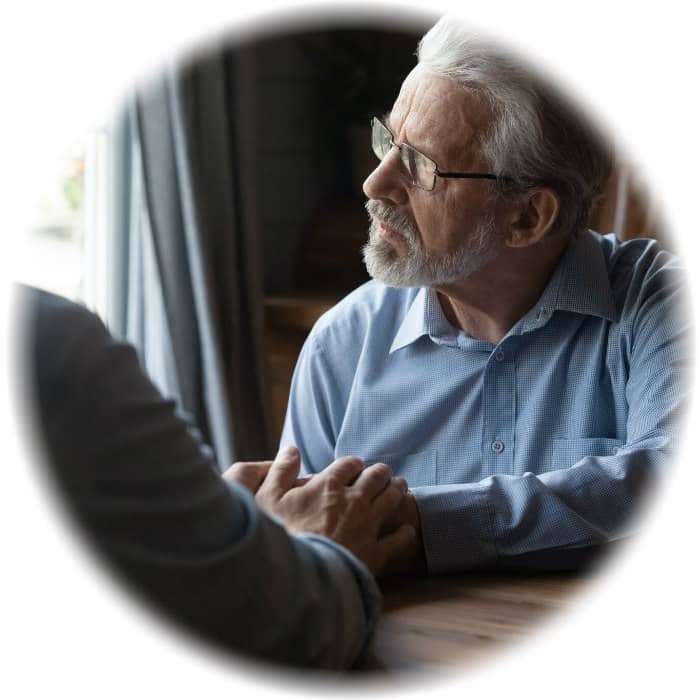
456, 527
360, 612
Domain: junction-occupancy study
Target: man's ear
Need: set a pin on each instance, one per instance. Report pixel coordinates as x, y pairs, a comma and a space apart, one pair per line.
533, 218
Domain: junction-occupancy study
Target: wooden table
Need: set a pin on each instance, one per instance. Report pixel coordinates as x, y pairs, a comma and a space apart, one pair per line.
456, 621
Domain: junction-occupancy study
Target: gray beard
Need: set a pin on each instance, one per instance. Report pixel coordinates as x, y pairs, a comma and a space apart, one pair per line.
418, 268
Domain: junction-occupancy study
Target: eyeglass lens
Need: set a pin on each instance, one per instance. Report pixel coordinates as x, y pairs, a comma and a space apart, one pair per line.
418, 168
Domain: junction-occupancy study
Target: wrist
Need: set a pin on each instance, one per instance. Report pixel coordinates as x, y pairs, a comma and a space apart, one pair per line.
409, 512
415, 562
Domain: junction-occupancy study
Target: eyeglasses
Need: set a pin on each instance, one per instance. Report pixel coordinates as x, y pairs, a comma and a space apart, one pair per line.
420, 170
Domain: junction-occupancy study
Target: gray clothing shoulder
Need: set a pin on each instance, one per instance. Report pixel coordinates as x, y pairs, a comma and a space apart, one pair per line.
144, 486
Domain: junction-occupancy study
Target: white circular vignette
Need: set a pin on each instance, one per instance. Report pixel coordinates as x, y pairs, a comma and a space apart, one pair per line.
67, 631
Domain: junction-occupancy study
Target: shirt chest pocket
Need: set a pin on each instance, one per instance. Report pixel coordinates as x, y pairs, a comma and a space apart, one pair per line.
566, 453
419, 469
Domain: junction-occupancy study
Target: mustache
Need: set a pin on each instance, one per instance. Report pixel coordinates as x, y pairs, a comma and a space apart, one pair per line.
390, 215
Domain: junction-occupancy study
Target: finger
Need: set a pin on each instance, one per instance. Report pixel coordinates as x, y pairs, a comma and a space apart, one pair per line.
301, 480
248, 474
238, 468
283, 472
386, 503
342, 472
373, 481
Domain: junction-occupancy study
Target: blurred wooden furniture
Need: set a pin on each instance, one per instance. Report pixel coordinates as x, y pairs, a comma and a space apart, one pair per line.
628, 209
288, 320
455, 622
329, 265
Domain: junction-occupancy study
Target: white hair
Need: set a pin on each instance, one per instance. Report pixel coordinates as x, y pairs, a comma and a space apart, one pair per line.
536, 137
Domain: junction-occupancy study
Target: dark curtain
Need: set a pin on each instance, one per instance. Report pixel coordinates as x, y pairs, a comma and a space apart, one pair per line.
192, 279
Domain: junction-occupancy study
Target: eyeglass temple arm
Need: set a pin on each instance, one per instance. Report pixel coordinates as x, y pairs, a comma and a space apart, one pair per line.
474, 176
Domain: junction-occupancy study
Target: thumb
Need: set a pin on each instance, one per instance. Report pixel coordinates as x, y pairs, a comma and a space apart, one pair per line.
283, 472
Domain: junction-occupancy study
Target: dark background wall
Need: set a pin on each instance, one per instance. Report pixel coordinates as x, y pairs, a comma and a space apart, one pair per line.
312, 96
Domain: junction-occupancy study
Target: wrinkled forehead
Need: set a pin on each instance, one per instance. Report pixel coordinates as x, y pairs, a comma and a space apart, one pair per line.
437, 113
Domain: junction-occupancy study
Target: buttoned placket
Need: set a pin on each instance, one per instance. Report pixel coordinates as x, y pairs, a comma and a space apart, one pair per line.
499, 409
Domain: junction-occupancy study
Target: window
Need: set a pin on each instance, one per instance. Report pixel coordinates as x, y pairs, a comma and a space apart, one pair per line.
51, 249
64, 249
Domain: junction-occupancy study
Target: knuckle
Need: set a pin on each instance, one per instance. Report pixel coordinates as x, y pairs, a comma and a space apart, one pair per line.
347, 466
347, 462
400, 483
237, 468
355, 500
377, 476
333, 482
381, 470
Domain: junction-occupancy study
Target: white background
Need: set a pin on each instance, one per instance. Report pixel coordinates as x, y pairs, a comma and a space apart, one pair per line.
66, 631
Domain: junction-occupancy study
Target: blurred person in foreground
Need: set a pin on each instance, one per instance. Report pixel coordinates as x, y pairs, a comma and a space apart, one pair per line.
210, 550
523, 373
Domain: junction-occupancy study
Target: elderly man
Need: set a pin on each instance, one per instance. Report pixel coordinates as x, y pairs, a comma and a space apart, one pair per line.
523, 373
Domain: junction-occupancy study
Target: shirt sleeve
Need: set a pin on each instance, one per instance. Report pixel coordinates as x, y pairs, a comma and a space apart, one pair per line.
316, 405
594, 500
156, 509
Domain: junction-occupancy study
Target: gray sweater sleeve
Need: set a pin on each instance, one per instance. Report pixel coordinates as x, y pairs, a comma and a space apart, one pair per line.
148, 494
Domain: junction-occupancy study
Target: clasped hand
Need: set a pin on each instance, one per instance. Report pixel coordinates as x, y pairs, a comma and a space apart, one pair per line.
346, 502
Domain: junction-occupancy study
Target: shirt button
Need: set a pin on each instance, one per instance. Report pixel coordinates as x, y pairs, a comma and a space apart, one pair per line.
497, 446
499, 356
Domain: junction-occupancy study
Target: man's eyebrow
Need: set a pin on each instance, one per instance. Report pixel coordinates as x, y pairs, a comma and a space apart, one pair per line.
385, 120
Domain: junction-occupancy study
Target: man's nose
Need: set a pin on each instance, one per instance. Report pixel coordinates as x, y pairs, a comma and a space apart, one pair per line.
385, 182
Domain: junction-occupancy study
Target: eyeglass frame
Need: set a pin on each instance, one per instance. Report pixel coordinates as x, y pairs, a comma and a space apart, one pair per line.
436, 172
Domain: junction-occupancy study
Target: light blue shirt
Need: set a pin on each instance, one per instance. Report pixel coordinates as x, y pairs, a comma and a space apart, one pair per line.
546, 440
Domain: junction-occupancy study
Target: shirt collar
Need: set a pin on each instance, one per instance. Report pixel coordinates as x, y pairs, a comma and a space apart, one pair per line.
580, 284
424, 317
